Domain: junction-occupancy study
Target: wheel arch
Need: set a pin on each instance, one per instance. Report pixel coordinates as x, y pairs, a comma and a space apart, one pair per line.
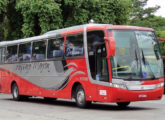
12, 83
74, 87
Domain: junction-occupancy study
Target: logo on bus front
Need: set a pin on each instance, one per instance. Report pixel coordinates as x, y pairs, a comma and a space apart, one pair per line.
142, 96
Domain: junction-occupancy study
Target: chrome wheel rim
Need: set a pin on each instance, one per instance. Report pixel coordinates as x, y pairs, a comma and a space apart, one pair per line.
80, 97
15, 92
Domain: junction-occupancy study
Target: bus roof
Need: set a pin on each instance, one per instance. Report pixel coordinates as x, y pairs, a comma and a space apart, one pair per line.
59, 32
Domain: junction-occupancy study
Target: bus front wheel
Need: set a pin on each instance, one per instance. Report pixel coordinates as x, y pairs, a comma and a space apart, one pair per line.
123, 104
80, 97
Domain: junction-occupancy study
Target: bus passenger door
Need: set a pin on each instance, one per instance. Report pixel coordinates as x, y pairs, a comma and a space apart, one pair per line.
98, 63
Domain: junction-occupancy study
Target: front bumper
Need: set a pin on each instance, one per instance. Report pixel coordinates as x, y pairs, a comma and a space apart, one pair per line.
122, 95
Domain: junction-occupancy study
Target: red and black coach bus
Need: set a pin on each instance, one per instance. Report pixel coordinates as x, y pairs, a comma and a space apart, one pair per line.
91, 62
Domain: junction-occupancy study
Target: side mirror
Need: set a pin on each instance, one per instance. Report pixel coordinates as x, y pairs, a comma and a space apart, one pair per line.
111, 46
161, 39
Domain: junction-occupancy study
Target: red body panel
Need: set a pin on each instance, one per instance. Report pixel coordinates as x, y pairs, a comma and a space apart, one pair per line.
119, 95
92, 90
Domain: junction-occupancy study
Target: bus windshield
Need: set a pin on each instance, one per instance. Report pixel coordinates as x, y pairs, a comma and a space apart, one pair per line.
137, 55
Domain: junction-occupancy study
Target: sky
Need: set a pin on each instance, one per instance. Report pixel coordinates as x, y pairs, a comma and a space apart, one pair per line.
161, 3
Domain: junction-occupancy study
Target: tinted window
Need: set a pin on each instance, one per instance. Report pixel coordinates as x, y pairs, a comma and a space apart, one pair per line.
25, 52
12, 53
55, 47
137, 55
39, 50
2, 55
74, 46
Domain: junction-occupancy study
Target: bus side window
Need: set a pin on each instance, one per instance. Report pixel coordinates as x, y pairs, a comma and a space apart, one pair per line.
74, 46
11, 54
39, 50
56, 48
2, 55
24, 52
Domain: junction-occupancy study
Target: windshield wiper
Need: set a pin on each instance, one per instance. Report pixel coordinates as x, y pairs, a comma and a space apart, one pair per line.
136, 58
147, 64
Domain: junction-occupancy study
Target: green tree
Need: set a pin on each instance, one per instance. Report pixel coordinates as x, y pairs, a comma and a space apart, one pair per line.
43, 15
140, 11
105, 11
10, 20
161, 34
3, 6
25, 18
39, 16
156, 22
142, 16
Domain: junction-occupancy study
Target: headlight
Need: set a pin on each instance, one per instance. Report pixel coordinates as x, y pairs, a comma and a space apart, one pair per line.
160, 85
121, 86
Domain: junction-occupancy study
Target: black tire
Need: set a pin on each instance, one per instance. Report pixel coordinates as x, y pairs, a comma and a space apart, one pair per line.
15, 92
80, 98
123, 104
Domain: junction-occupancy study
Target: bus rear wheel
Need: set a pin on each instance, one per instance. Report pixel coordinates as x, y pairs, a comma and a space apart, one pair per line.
80, 97
15, 93
123, 104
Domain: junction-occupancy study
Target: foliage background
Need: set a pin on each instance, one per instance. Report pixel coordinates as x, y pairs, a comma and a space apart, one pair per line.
26, 18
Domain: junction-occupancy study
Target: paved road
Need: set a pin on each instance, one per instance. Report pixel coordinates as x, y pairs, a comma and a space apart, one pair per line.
38, 109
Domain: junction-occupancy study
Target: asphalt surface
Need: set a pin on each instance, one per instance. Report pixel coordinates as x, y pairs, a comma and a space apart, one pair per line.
39, 109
